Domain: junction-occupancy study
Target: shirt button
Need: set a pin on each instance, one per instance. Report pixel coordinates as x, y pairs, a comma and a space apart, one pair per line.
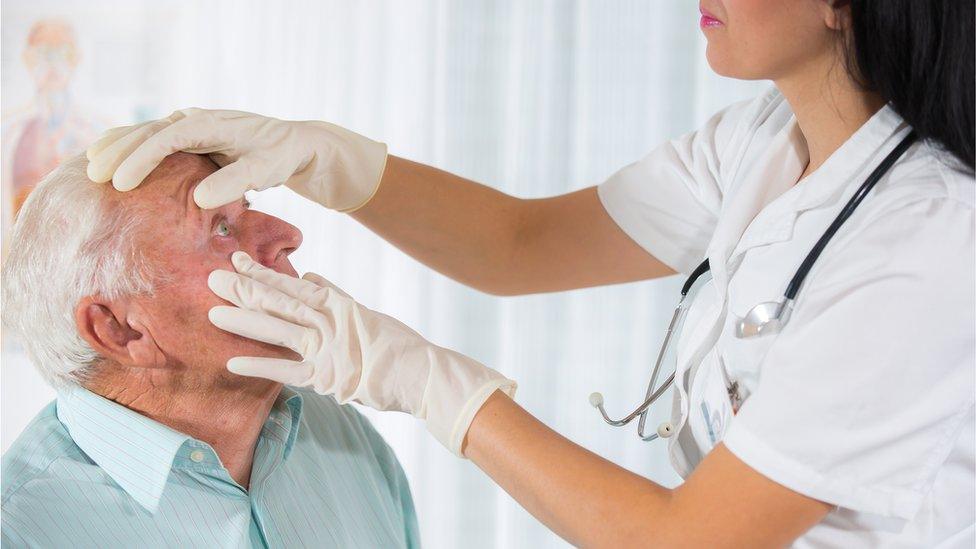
197, 455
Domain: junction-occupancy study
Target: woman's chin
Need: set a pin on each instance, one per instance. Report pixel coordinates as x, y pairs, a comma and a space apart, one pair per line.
719, 63
722, 65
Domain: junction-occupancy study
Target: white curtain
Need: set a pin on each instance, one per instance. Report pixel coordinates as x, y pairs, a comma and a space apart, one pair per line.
535, 98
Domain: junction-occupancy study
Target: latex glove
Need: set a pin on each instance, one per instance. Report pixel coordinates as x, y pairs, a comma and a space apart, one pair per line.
320, 161
349, 351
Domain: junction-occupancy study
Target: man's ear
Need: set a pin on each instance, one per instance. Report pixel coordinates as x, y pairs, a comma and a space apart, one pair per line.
114, 331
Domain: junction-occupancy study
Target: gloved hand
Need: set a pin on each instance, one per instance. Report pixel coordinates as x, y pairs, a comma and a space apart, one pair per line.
349, 351
320, 161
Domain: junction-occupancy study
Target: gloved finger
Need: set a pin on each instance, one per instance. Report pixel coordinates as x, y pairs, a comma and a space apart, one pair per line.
253, 295
319, 280
189, 111
108, 137
300, 289
260, 327
196, 133
230, 183
281, 370
104, 166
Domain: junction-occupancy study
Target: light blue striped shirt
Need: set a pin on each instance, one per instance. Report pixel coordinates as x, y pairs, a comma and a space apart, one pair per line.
88, 472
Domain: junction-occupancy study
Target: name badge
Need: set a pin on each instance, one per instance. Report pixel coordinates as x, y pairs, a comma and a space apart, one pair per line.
712, 404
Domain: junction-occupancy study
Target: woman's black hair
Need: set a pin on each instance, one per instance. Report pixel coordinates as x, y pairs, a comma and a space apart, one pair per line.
919, 56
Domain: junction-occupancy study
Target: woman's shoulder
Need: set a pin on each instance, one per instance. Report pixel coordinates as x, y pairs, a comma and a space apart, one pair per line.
919, 221
926, 174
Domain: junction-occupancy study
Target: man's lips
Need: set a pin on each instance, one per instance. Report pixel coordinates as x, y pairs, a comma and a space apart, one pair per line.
707, 19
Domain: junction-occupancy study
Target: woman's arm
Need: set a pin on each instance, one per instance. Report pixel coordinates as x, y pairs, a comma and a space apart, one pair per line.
498, 243
592, 502
470, 232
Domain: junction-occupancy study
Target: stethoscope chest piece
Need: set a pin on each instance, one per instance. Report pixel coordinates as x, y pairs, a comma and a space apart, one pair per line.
763, 319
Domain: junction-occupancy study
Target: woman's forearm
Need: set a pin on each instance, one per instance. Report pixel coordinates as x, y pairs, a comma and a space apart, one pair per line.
458, 227
500, 244
584, 498
592, 502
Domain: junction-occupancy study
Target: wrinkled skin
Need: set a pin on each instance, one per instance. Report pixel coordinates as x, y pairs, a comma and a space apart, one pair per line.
184, 244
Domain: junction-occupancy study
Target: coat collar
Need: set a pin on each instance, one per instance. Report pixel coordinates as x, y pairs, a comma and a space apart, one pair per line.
765, 198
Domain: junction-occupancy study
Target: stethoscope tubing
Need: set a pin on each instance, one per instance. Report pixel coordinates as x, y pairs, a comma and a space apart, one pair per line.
845, 213
652, 394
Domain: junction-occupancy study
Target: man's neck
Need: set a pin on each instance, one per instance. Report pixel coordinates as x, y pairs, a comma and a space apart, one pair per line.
829, 107
221, 410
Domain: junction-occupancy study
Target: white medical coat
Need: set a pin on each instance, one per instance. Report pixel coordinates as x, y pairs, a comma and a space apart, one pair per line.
865, 400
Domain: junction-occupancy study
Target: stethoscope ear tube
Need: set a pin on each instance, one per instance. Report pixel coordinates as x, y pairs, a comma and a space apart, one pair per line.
596, 400
699, 270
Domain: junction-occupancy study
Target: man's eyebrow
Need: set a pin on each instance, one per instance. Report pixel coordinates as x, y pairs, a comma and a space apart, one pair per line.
184, 189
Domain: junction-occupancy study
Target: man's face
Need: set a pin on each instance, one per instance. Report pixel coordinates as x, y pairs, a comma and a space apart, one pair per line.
184, 244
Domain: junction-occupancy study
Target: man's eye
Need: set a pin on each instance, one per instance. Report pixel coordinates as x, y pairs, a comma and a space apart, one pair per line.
222, 229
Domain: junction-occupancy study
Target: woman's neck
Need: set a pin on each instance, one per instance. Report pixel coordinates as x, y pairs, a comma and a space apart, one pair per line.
829, 107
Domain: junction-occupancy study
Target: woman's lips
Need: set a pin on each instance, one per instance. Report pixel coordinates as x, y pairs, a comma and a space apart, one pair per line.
707, 20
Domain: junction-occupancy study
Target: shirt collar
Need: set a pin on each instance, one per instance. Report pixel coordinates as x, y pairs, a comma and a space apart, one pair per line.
139, 452
286, 418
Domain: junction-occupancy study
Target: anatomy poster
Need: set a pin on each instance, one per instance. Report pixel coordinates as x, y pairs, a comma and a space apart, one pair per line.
69, 72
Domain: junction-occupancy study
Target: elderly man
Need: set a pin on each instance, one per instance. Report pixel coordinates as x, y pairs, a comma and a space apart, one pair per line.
151, 441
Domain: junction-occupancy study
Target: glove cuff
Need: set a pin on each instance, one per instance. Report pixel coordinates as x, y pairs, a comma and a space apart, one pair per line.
452, 436
344, 170
376, 187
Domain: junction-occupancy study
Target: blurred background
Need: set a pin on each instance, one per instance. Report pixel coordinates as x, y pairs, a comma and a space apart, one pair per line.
532, 97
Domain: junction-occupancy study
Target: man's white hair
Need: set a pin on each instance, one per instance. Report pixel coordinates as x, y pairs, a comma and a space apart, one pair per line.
67, 243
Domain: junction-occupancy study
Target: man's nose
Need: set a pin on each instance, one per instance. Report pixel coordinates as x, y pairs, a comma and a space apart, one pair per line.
270, 241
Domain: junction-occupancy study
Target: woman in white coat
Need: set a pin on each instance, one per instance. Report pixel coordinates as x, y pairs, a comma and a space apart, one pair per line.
850, 426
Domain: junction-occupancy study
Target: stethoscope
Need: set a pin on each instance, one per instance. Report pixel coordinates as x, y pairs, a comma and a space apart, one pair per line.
765, 318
